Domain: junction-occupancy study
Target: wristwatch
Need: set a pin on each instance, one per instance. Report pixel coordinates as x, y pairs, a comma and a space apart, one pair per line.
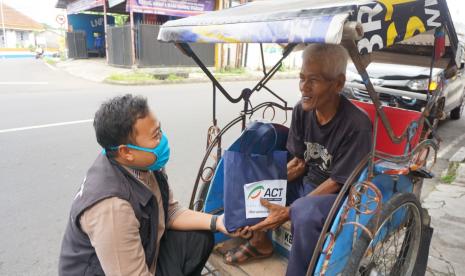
213, 224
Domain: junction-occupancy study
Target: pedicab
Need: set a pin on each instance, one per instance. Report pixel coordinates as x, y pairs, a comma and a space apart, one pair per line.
377, 225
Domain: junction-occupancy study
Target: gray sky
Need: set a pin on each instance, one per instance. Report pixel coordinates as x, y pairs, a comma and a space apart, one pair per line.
44, 10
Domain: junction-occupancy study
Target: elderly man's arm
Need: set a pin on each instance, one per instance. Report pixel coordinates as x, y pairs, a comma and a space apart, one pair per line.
329, 186
295, 168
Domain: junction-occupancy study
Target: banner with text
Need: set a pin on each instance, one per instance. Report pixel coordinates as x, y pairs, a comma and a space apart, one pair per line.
83, 5
182, 8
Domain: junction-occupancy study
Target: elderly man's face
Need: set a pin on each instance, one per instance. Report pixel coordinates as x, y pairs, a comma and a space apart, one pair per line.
316, 89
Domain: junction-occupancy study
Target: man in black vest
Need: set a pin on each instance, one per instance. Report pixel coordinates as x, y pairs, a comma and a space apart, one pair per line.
124, 219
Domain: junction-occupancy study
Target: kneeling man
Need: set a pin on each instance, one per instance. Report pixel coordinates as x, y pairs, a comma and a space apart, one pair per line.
124, 219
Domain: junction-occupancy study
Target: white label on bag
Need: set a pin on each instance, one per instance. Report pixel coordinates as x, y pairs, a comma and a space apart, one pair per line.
272, 190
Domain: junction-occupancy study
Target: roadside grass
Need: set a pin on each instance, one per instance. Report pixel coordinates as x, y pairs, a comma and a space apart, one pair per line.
143, 77
50, 61
174, 77
449, 176
231, 71
133, 76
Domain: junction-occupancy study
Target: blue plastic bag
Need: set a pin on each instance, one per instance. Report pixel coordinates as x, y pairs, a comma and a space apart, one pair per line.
256, 160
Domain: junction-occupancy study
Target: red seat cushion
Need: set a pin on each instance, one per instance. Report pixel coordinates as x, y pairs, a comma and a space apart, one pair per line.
399, 119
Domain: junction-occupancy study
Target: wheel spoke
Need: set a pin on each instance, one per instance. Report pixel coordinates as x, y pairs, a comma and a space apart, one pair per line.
390, 250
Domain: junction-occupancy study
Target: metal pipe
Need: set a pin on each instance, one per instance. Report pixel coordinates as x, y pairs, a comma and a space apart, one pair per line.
3, 24
263, 59
105, 24
371, 161
133, 39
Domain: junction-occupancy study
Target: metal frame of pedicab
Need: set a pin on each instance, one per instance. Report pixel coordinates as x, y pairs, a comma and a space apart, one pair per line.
352, 32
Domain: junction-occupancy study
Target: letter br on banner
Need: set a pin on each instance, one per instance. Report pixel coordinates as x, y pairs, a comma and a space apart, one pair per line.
385, 24
182, 8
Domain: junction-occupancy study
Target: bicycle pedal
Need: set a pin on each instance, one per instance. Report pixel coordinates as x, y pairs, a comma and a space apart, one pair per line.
422, 173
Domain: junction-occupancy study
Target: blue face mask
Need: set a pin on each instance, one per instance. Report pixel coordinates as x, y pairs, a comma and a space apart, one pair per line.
161, 152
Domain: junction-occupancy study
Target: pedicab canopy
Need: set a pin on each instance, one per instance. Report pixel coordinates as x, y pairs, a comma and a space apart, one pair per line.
384, 22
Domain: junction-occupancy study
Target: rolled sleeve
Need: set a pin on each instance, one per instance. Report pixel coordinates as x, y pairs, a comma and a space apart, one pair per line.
113, 230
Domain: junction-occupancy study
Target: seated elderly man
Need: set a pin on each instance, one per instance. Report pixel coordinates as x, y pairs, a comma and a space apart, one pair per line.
328, 137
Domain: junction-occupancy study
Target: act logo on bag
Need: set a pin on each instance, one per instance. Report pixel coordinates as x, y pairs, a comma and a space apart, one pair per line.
256, 192
271, 190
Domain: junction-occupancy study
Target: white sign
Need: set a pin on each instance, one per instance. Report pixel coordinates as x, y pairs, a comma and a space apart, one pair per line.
283, 237
272, 190
112, 3
61, 19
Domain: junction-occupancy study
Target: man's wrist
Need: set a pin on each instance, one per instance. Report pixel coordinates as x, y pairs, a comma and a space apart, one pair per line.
288, 212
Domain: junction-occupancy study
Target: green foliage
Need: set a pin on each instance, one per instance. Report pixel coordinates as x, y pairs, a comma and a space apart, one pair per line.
143, 77
132, 77
448, 178
50, 61
231, 70
120, 19
173, 77
451, 174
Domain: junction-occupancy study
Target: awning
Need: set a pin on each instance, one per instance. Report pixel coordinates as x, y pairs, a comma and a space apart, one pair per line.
291, 21
180, 8
83, 5
302, 21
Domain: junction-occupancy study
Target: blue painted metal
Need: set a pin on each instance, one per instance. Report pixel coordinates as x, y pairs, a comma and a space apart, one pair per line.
343, 245
90, 24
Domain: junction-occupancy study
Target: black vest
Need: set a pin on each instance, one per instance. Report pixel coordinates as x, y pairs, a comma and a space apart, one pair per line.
105, 179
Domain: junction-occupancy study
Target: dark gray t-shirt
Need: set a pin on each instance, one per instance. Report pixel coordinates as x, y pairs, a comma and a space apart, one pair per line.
332, 150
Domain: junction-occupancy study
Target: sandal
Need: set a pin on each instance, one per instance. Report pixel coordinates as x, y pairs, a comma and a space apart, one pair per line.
245, 252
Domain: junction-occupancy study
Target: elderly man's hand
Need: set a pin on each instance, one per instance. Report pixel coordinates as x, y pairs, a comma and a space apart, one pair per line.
278, 215
243, 232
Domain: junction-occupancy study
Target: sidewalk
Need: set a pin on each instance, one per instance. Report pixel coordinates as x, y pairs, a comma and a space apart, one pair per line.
446, 205
96, 70
93, 69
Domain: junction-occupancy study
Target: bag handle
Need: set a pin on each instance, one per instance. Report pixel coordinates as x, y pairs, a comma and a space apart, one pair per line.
246, 145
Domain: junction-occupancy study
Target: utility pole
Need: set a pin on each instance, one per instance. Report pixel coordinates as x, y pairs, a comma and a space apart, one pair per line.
3, 24
105, 28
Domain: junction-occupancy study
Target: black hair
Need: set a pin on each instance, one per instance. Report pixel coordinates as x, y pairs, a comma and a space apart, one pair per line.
114, 120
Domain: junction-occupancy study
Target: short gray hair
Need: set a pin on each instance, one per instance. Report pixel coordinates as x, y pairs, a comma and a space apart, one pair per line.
332, 57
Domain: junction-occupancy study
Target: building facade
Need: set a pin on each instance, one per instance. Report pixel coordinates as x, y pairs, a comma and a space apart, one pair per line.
18, 30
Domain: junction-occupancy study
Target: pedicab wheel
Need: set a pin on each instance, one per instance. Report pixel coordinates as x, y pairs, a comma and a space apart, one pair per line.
456, 113
393, 250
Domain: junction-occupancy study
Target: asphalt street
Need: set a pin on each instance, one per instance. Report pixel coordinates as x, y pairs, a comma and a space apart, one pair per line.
47, 143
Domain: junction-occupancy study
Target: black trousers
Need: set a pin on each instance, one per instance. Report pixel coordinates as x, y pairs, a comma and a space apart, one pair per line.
184, 253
